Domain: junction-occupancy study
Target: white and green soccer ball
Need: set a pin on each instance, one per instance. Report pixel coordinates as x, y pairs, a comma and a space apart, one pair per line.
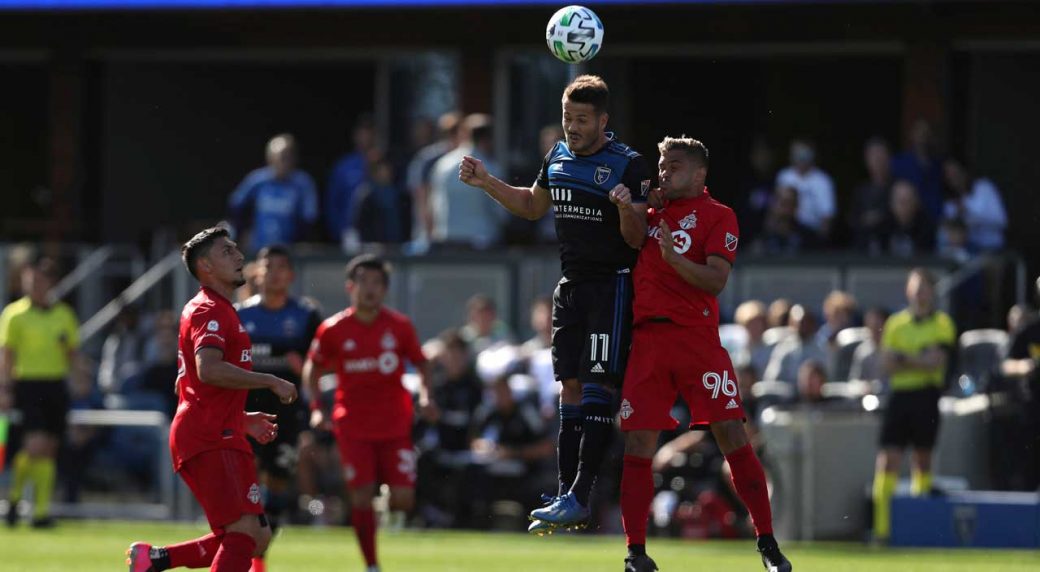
574, 34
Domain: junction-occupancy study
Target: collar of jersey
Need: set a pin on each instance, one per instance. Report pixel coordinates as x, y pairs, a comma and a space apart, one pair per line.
690, 200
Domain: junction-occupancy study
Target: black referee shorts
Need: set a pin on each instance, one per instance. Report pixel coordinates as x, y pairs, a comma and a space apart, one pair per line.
44, 405
911, 419
592, 329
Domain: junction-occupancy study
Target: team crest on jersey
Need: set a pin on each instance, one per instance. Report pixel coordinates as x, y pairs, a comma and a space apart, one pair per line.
689, 221
389, 342
254, 494
349, 345
213, 326
731, 242
289, 327
602, 175
626, 409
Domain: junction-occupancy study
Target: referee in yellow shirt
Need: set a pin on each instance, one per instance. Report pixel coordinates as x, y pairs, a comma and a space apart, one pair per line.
38, 341
916, 344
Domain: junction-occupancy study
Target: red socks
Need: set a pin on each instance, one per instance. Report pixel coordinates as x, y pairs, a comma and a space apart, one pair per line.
235, 554
198, 553
637, 492
364, 522
750, 481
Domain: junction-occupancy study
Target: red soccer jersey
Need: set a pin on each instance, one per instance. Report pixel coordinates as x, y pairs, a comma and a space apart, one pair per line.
701, 227
371, 402
209, 417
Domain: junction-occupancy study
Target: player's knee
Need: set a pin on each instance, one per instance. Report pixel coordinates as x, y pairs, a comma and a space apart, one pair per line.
596, 394
362, 497
263, 539
730, 435
641, 443
402, 499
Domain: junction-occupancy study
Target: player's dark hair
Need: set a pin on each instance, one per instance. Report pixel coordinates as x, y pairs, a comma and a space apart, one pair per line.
589, 89
276, 250
692, 147
199, 246
924, 274
368, 262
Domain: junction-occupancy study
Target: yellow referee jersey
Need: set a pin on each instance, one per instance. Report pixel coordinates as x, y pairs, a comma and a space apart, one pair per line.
909, 336
40, 339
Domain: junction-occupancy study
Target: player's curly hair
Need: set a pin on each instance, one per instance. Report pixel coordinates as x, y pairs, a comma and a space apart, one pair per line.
589, 89
692, 147
199, 246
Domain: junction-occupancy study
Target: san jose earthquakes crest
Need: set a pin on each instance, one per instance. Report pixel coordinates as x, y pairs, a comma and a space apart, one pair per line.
602, 175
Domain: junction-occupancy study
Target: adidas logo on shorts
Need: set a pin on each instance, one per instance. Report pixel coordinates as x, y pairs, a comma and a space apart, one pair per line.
598, 368
732, 404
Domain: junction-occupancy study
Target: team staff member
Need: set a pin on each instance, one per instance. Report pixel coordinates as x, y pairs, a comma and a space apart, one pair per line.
915, 348
38, 341
1021, 363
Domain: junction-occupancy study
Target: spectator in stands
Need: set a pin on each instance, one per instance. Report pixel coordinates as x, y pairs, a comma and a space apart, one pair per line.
916, 347
976, 202
39, 342
816, 205
349, 173
839, 312
122, 354
483, 329
538, 356
511, 441
782, 232
792, 352
757, 189
747, 377
779, 313
953, 241
541, 323
907, 231
1021, 363
461, 216
152, 387
752, 316
870, 198
420, 168
277, 203
866, 360
811, 376
381, 210
1018, 317
921, 166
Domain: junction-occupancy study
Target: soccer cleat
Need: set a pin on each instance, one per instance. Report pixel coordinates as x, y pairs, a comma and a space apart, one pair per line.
12, 515
372, 568
42, 522
772, 558
541, 528
639, 563
564, 511
138, 557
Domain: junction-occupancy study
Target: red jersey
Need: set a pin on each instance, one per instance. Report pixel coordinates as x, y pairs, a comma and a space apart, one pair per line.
209, 417
371, 402
701, 227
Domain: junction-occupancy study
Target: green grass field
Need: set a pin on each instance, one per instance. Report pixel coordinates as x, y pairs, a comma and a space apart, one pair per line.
99, 546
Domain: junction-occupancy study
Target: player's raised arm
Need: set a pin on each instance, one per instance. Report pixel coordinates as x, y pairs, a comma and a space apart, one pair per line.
529, 203
632, 216
213, 370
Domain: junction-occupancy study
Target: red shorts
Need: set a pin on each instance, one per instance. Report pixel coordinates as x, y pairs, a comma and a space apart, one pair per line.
390, 461
224, 483
667, 360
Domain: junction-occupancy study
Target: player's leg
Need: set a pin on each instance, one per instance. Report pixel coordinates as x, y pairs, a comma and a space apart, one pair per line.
637, 492
397, 467
243, 539
925, 433
895, 437
568, 342
359, 465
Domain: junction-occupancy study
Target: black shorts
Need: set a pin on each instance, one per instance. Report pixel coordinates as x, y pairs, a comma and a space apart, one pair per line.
592, 329
911, 419
44, 405
278, 458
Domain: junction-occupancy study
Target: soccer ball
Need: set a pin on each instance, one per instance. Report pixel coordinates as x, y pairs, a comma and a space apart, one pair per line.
574, 34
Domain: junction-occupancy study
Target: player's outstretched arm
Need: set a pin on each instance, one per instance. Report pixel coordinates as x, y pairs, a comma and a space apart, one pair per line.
213, 370
530, 203
632, 216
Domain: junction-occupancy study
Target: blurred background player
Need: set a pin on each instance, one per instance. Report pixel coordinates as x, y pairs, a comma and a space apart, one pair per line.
281, 327
208, 434
367, 346
38, 341
915, 348
592, 302
676, 347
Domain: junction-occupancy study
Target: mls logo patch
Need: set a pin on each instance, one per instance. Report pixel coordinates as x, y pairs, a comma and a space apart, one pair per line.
731, 242
213, 326
388, 342
689, 221
349, 345
602, 175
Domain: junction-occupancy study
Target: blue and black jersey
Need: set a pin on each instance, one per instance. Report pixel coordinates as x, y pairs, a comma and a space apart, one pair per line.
275, 333
587, 224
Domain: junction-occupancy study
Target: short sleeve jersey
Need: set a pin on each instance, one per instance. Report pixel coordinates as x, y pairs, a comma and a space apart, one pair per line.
587, 224
276, 333
910, 336
209, 417
701, 227
40, 338
369, 359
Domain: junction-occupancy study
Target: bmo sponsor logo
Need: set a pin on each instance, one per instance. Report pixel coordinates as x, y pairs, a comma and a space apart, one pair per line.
247, 356
385, 364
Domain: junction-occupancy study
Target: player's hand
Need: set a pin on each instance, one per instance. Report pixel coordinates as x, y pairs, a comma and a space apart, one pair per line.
473, 172
621, 196
320, 421
428, 410
261, 426
655, 198
285, 390
664, 240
